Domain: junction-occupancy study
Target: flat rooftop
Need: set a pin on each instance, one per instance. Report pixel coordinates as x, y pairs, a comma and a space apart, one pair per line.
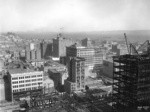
19, 70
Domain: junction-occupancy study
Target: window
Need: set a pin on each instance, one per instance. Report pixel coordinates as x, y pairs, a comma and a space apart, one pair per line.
82, 77
39, 75
28, 84
14, 78
39, 83
21, 81
33, 76
16, 86
40, 79
22, 90
28, 89
27, 77
16, 90
15, 82
34, 83
27, 80
35, 54
21, 85
21, 77
33, 79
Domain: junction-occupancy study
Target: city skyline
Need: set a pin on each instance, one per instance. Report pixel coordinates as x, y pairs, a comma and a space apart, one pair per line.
74, 15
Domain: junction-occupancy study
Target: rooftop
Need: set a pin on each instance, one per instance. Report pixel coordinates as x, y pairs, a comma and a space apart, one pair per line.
77, 45
19, 70
57, 71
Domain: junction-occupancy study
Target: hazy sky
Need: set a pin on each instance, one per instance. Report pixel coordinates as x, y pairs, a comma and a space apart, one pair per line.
74, 15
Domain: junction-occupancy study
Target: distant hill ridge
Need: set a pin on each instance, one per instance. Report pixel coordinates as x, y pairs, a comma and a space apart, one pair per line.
135, 35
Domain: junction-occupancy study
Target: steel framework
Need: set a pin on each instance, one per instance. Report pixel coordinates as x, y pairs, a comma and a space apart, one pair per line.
131, 82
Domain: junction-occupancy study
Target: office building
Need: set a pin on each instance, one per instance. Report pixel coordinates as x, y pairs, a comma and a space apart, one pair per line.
108, 68
76, 70
20, 81
59, 45
58, 77
86, 42
46, 49
33, 52
77, 50
2, 88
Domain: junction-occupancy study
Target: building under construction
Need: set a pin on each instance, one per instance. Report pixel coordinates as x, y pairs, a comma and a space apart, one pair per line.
131, 82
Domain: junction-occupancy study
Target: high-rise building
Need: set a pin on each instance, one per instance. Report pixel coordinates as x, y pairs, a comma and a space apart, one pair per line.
86, 42
58, 77
33, 52
131, 82
81, 51
76, 70
108, 68
2, 88
59, 46
46, 49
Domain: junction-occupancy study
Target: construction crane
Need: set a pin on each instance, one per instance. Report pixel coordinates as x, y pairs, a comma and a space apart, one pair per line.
133, 50
126, 42
130, 47
143, 49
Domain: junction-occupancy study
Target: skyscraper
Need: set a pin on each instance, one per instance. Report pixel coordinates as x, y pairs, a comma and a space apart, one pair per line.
33, 52
76, 70
81, 51
87, 42
59, 45
46, 49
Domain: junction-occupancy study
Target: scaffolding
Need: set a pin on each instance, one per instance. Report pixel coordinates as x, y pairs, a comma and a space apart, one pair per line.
131, 82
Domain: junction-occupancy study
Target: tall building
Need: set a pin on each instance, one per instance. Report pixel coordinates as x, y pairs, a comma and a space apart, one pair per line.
58, 77
2, 88
59, 46
97, 59
131, 82
108, 68
76, 70
46, 49
33, 52
19, 82
81, 51
86, 42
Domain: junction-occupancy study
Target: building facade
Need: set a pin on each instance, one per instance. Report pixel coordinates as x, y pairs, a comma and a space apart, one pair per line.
81, 51
33, 52
86, 42
46, 49
59, 45
58, 77
108, 68
76, 70
2, 89
22, 81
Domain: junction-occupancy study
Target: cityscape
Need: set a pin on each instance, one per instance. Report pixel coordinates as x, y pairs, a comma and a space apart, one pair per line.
67, 69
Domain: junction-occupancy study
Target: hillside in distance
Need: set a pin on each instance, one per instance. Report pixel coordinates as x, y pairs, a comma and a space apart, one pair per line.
133, 36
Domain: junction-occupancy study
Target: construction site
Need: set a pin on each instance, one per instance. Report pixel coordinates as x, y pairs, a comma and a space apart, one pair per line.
131, 79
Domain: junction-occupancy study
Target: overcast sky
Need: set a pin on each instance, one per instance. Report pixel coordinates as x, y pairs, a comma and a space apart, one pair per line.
74, 15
